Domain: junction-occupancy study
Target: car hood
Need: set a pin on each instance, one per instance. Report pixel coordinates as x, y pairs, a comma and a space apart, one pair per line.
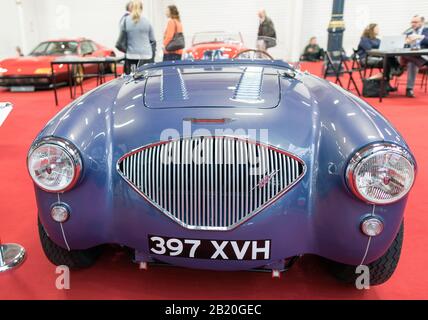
211, 87
312, 114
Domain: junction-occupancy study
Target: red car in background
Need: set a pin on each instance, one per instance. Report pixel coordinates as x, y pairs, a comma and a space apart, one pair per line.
214, 45
34, 70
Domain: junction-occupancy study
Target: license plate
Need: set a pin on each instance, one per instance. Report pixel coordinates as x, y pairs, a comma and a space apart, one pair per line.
22, 89
210, 249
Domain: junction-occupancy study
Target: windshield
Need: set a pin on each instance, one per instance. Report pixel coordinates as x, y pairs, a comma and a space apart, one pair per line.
55, 48
210, 37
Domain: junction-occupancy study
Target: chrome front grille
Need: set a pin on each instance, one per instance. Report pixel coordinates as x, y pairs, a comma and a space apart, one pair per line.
210, 183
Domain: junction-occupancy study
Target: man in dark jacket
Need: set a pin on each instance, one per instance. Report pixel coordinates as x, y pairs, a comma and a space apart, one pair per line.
266, 35
416, 39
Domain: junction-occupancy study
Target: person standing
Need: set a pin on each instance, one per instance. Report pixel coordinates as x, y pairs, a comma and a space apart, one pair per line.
416, 39
266, 36
140, 37
173, 27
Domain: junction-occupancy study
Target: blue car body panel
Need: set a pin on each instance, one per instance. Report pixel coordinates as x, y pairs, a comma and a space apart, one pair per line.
313, 119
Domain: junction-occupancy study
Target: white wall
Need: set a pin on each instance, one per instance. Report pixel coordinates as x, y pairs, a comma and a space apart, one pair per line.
235, 16
9, 28
295, 20
50, 19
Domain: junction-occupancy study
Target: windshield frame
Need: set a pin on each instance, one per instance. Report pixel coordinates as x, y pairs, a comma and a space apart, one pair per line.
222, 34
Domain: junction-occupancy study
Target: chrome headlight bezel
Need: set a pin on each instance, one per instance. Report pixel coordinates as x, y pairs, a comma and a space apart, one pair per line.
366, 153
71, 152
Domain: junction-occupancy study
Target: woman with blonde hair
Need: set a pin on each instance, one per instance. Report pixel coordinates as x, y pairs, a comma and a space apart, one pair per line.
140, 37
173, 27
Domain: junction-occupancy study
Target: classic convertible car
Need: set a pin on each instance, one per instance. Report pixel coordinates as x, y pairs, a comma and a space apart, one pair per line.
214, 45
223, 165
34, 70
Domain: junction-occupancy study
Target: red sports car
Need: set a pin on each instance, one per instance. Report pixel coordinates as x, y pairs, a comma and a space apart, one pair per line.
214, 45
34, 70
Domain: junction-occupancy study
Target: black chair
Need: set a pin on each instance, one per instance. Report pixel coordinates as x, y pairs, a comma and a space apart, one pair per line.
356, 66
337, 67
423, 82
366, 68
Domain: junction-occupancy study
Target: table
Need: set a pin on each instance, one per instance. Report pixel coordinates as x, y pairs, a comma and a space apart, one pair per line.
392, 53
71, 64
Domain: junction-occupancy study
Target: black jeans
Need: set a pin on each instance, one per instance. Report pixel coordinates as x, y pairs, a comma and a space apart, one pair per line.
171, 56
131, 62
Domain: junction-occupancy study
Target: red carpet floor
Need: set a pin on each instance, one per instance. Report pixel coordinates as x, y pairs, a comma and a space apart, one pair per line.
116, 277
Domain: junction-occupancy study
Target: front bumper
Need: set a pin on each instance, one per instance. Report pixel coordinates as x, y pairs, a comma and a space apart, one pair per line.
43, 81
326, 224
27, 80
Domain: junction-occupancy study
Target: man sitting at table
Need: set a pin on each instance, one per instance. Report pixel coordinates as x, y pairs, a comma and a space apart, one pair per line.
416, 39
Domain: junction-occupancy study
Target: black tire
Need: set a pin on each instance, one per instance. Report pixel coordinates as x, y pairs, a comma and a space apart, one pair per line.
74, 259
111, 67
380, 270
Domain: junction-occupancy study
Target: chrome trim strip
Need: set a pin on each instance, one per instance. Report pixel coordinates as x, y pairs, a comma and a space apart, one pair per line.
186, 172
64, 237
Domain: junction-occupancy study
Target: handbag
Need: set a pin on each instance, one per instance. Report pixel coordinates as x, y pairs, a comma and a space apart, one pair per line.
371, 88
177, 42
122, 42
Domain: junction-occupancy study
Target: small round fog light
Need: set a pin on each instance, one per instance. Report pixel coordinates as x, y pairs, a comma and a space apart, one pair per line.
60, 213
372, 227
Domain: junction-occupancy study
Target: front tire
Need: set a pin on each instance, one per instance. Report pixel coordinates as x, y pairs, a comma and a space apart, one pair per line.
380, 270
74, 259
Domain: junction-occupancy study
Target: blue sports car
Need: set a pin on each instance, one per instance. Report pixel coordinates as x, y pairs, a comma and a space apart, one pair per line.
223, 165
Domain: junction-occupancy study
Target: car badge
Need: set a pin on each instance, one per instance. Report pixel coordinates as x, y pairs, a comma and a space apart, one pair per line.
266, 179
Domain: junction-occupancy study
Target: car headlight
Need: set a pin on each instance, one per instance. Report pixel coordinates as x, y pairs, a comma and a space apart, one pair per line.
54, 164
3, 70
381, 173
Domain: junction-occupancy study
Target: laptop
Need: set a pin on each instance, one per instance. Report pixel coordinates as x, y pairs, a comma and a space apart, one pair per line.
390, 43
